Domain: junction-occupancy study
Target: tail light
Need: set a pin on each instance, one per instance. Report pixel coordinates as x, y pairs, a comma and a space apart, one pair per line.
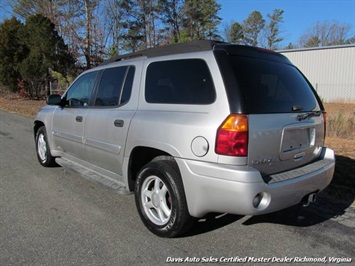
232, 136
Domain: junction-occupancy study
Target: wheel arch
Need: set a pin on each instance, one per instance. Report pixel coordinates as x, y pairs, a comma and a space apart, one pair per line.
140, 156
37, 124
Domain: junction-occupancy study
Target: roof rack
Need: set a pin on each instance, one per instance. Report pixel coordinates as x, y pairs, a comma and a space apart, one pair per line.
193, 46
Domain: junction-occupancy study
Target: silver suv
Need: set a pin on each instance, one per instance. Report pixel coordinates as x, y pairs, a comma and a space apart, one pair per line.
191, 129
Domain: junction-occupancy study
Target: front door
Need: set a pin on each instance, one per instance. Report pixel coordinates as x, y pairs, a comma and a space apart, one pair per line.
69, 121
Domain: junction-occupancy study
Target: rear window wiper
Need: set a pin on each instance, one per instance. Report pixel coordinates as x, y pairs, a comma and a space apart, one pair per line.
308, 115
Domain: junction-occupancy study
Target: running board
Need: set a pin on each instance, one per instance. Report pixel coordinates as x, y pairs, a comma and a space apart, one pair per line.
93, 176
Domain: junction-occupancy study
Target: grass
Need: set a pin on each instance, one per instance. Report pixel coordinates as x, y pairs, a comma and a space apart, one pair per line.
341, 120
341, 138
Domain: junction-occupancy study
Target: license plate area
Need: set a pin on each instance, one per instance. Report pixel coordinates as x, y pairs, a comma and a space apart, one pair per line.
296, 140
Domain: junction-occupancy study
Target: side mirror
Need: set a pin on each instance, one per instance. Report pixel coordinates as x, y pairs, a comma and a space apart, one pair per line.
54, 99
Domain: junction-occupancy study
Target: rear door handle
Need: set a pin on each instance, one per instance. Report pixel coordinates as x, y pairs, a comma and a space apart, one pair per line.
79, 119
118, 123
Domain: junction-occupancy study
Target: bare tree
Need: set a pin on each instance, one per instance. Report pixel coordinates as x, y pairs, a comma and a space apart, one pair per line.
325, 33
92, 29
47, 8
114, 26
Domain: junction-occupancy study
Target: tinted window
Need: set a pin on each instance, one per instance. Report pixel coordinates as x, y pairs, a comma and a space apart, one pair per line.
110, 86
127, 89
179, 82
80, 92
269, 86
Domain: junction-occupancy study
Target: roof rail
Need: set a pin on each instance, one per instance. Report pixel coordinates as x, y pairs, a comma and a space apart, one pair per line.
187, 47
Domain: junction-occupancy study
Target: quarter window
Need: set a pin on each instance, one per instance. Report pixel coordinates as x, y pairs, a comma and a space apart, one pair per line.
185, 81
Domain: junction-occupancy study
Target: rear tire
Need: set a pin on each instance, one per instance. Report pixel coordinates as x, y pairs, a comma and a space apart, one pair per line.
160, 199
44, 155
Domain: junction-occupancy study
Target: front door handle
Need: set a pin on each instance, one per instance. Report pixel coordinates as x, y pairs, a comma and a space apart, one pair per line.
79, 119
118, 123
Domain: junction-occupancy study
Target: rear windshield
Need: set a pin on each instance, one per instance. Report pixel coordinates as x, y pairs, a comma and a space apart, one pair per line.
268, 86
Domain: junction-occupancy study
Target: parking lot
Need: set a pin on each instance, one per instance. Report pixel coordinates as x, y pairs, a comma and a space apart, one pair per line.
50, 216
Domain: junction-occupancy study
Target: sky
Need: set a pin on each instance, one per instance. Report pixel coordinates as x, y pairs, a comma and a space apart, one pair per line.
299, 15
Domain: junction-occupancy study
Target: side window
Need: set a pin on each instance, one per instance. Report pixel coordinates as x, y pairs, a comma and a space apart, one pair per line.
185, 81
115, 86
80, 92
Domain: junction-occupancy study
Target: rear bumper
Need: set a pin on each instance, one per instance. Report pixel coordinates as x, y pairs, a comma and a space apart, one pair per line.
230, 189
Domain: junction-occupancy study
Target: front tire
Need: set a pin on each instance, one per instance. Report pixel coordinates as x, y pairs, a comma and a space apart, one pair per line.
160, 199
42, 148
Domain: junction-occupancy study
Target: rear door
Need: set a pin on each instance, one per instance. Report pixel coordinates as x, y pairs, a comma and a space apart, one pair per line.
108, 120
286, 127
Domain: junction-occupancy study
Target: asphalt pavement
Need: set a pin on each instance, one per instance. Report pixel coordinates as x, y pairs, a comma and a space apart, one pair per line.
52, 216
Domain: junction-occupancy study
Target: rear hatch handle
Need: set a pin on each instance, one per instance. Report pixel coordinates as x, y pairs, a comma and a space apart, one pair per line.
308, 115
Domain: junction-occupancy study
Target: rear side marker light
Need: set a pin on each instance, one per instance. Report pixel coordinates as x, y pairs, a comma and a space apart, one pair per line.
325, 123
232, 136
